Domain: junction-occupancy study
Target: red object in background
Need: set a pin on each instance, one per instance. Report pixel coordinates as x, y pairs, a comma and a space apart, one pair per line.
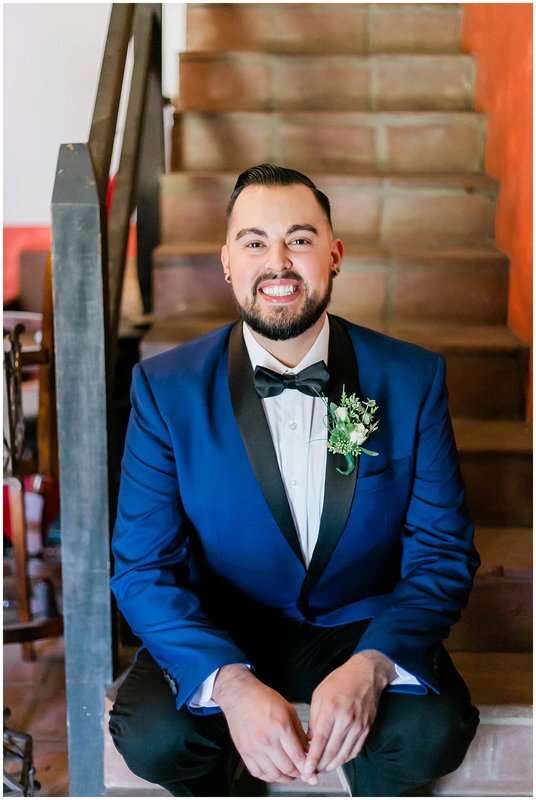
110, 193
500, 36
49, 489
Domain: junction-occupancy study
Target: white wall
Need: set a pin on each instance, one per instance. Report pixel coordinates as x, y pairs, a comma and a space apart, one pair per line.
52, 59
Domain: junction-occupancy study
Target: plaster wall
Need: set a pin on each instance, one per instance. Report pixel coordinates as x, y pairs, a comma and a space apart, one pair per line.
500, 36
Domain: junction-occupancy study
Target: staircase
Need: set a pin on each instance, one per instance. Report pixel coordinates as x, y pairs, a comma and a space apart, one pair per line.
375, 103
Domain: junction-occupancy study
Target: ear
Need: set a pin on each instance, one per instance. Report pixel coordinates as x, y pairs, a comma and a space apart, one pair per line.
337, 254
224, 256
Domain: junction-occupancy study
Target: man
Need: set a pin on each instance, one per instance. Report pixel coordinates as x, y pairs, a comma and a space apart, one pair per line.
258, 568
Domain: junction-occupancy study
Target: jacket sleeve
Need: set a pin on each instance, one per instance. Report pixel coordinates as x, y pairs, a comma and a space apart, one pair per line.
151, 579
438, 560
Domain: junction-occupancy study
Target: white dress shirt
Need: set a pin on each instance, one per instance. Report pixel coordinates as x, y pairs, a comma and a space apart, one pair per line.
299, 434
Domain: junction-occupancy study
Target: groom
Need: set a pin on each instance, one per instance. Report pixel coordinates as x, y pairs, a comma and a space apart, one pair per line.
257, 567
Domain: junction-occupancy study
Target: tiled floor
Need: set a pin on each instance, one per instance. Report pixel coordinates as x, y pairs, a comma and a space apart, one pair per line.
35, 693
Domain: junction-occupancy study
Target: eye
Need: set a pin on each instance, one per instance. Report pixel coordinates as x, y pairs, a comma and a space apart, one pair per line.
300, 241
254, 245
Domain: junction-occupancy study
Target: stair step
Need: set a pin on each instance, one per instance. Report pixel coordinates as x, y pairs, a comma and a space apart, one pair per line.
498, 616
499, 760
337, 28
493, 353
376, 284
500, 685
436, 211
496, 464
239, 81
502, 596
496, 679
506, 551
395, 142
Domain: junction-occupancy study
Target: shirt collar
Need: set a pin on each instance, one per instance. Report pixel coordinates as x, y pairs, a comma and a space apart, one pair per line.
260, 357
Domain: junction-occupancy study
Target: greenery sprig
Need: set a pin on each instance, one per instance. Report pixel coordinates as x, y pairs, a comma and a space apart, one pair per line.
349, 425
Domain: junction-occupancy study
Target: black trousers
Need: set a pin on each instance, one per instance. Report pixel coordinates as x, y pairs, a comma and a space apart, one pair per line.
414, 739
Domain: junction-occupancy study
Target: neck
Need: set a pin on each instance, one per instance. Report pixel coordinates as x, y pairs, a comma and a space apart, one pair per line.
291, 351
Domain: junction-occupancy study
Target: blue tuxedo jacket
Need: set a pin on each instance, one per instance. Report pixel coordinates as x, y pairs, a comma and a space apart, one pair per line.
204, 532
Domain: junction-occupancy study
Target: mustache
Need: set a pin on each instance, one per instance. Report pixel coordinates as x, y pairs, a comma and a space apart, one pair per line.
271, 276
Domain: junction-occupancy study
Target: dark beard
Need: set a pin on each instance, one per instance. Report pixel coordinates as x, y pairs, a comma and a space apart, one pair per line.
282, 324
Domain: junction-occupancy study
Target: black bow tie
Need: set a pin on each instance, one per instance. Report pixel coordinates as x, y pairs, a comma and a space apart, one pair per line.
311, 380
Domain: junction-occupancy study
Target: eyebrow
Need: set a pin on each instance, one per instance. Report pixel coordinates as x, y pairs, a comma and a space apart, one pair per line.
293, 228
255, 231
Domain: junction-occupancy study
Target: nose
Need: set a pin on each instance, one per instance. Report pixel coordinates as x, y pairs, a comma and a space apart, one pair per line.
279, 258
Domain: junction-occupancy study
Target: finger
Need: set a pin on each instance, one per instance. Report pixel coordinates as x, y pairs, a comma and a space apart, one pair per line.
333, 745
349, 744
296, 745
359, 744
321, 734
282, 761
269, 771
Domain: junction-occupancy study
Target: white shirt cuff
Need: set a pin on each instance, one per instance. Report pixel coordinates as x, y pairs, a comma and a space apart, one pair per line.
202, 698
404, 677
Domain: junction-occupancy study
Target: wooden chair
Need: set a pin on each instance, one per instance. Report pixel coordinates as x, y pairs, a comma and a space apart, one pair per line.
18, 355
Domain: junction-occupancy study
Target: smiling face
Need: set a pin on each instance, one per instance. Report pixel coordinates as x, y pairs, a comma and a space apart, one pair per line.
280, 258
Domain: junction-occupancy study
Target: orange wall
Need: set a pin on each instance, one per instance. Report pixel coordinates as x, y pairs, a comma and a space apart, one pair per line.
500, 36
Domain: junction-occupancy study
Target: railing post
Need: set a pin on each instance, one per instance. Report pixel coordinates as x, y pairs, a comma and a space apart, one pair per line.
80, 324
151, 165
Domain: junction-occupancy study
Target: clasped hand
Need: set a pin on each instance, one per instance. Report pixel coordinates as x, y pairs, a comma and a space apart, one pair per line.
267, 731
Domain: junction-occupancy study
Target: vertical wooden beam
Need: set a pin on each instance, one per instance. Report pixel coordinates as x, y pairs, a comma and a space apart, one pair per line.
151, 166
123, 201
80, 324
47, 422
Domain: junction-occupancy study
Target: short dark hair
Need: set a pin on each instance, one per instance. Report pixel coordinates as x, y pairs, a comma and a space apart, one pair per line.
271, 175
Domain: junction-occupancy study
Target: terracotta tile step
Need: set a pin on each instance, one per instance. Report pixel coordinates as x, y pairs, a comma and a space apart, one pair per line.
493, 353
345, 142
454, 211
505, 551
498, 616
496, 464
337, 28
499, 760
376, 284
235, 81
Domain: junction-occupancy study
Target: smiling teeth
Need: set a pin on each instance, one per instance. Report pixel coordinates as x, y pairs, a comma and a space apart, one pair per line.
279, 291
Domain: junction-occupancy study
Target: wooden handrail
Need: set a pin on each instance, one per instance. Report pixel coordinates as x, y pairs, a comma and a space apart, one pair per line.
88, 258
123, 201
104, 122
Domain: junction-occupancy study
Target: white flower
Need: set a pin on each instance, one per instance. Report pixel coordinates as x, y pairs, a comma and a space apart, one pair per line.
359, 434
341, 413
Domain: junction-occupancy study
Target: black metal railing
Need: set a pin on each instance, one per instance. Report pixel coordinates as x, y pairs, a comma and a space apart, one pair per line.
89, 244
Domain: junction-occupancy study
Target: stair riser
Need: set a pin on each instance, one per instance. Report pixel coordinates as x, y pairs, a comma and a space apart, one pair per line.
499, 760
340, 143
336, 29
498, 617
377, 291
366, 210
240, 82
486, 385
499, 488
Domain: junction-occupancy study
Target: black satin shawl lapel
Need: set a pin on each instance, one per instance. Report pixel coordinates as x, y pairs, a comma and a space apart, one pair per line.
339, 489
256, 436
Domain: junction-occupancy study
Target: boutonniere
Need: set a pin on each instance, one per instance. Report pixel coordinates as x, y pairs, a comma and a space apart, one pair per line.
349, 425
